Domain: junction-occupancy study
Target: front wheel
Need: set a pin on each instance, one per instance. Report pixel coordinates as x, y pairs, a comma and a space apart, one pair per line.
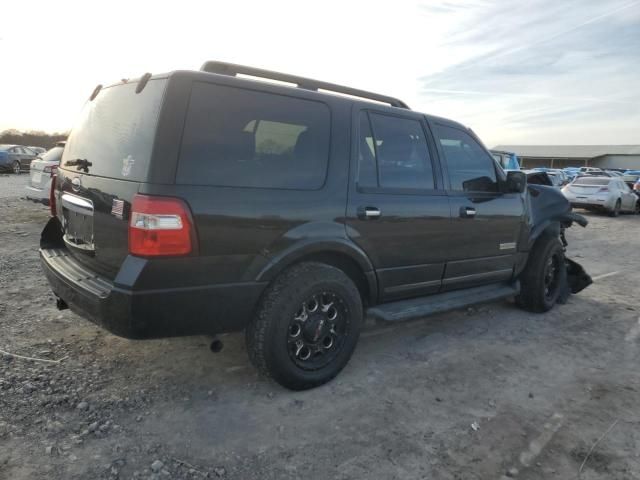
306, 326
544, 277
16, 167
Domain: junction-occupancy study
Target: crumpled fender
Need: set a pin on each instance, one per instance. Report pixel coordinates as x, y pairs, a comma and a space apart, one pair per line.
548, 210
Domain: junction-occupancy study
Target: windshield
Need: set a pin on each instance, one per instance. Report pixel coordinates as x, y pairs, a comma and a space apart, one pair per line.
591, 181
116, 131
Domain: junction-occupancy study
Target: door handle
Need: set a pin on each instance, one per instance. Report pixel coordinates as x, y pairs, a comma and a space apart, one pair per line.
369, 213
467, 212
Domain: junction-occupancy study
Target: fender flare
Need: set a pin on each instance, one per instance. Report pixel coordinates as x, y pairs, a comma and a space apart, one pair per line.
317, 246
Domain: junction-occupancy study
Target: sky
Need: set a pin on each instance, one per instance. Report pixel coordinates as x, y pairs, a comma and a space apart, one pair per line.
517, 72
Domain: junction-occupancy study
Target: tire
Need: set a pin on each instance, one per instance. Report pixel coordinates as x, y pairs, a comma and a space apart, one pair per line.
539, 292
616, 210
288, 326
637, 207
16, 167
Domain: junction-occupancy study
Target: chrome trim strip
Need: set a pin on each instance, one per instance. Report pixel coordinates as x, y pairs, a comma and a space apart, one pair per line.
77, 204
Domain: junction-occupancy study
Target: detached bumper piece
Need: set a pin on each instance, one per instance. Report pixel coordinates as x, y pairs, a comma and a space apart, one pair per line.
577, 278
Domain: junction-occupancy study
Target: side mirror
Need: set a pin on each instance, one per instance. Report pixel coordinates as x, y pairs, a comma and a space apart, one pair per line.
516, 181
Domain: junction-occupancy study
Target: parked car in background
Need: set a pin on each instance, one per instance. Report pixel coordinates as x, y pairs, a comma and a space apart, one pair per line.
557, 178
590, 169
631, 177
15, 158
602, 193
37, 150
614, 173
571, 173
507, 160
43, 169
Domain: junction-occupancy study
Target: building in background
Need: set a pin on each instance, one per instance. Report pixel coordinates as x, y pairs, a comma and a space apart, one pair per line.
560, 156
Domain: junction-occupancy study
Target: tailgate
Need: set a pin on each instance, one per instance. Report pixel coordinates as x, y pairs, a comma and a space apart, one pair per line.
93, 212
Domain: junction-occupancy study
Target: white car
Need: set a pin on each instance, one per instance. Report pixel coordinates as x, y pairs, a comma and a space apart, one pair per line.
590, 169
602, 193
43, 168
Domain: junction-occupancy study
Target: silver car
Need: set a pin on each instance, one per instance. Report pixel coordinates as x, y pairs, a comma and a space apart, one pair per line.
42, 171
610, 194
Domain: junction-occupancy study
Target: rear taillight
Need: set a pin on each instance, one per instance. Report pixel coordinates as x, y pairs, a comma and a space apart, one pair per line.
52, 195
52, 170
160, 226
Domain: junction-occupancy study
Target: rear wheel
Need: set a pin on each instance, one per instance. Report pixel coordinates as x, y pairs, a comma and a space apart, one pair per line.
544, 277
306, 327
616, 209
16, 167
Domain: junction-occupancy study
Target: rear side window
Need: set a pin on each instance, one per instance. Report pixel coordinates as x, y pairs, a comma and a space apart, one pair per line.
116, 131
243, 138
471, 168
393, 153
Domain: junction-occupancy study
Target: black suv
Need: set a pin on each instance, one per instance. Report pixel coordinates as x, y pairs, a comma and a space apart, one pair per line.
205, 202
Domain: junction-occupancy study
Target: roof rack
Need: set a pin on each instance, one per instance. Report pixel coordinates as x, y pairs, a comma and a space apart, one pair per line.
232, 69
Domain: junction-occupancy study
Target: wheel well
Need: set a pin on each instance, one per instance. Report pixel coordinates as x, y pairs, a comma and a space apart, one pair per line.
349, 266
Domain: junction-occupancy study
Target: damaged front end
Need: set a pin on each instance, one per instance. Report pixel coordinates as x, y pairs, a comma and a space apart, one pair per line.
550, 212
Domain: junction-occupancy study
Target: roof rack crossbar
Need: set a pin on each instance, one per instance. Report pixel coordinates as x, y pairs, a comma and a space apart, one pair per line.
232, 69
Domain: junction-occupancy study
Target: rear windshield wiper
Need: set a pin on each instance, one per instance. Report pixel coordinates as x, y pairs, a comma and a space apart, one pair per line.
79, 163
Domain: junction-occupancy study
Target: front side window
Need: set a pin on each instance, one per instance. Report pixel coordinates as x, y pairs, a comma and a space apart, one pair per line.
470, 167
393, 151
243, 138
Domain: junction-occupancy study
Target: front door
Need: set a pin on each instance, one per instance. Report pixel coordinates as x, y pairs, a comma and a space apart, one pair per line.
485, 223
398, 211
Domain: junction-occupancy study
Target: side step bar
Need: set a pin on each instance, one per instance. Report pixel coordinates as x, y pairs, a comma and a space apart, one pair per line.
441, 302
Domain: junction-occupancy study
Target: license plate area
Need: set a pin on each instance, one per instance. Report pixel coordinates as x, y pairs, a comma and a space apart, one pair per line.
77, 222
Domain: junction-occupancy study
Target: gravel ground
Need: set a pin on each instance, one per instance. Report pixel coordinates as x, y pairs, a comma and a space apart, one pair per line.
484, 393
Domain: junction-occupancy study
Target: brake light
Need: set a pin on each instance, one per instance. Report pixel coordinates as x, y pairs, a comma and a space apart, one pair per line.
53, 169
160, 226
52, 195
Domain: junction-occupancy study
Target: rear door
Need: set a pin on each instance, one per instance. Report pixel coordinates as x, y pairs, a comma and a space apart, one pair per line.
485, 225
15, 155
398, 211
104, 164
26, 156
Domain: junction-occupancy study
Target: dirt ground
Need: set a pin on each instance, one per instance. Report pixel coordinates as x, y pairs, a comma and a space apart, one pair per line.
484, 393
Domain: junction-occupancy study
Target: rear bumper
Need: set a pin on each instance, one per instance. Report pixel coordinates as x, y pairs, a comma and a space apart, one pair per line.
592, 202
131, 313
40, 194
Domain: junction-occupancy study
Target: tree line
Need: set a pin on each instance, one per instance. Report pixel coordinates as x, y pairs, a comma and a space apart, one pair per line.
32, 138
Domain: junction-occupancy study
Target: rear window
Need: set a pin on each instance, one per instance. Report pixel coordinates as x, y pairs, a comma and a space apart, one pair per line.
53, 155
591, 181
116, 131
243, 138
